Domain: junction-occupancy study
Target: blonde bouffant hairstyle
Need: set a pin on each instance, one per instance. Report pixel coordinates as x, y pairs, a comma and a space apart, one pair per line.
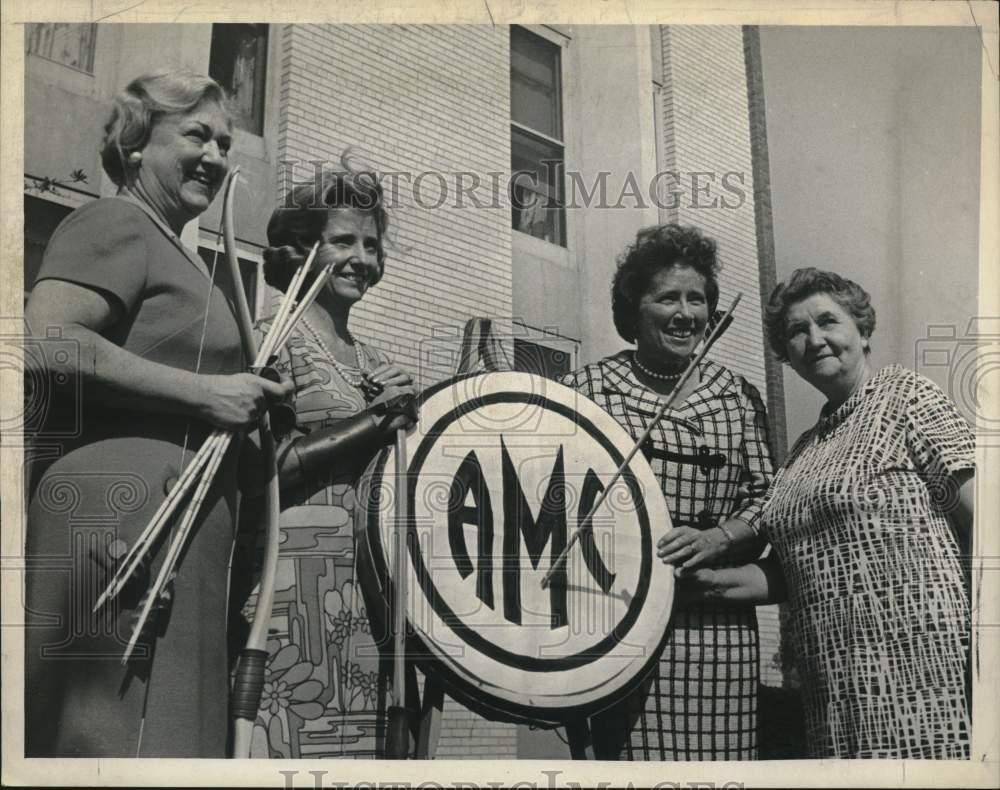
138, 108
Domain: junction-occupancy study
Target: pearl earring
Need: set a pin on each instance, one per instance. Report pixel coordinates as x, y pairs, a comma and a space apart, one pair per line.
135, 157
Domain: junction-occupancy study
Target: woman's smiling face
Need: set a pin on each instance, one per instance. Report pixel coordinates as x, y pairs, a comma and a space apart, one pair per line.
824, 345
350, 239
673, 314
185, 161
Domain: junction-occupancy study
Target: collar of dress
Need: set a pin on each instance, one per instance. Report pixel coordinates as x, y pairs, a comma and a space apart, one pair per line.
829, 420
617, 377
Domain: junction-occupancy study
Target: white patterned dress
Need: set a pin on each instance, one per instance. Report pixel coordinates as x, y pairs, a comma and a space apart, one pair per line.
712, 458
325, 691
879, 610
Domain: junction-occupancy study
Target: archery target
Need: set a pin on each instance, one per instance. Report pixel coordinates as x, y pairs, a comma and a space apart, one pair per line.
502, 470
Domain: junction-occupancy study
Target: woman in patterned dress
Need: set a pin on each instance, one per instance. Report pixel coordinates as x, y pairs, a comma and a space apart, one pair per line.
711, 455
324, 694
867, 518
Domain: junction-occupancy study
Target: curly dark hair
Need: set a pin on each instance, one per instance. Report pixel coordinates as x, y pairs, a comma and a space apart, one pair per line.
802, 284
299, 222
655, 249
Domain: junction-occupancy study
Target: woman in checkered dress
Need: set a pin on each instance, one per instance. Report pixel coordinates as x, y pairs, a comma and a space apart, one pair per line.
711, 455
866, 518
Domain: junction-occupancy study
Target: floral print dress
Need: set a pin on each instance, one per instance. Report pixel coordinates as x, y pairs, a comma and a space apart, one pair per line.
324, 693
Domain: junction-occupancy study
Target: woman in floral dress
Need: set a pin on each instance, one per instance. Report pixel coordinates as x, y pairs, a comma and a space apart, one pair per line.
325, 690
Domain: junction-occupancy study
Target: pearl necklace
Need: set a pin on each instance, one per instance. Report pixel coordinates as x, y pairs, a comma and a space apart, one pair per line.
354, 381
660, 376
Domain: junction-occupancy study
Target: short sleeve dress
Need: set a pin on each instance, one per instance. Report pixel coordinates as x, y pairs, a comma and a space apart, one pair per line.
324, 691
879, 609
97, 476
712, 458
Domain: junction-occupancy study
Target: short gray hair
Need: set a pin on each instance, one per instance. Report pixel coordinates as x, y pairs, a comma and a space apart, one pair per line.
802, 284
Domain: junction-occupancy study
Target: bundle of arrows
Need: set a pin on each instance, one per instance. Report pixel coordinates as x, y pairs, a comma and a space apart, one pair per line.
200, 472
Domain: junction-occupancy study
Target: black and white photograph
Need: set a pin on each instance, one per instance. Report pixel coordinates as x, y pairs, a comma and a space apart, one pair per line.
553, 396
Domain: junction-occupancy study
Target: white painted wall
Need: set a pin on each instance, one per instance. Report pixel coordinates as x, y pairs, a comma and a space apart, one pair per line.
873, 137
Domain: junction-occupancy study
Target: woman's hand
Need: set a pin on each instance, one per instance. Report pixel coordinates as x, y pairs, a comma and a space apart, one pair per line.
759, 583
689, 548
733, 541
400, 405
391, 385
695, 586
389, 375
235, 402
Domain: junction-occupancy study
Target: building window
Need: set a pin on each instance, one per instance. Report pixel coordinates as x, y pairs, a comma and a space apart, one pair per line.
536, 137
69, 44
238, 62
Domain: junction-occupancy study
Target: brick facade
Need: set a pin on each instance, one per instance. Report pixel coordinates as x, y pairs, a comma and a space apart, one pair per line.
405, 99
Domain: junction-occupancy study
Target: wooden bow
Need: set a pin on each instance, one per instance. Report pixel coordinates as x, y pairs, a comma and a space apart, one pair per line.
249, 680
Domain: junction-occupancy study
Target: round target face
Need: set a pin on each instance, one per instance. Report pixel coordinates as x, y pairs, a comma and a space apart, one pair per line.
503, 471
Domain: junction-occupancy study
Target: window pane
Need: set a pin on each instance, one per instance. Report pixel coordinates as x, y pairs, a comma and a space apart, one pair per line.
69, 44
238, 62
541, 360
534, 83
537, 172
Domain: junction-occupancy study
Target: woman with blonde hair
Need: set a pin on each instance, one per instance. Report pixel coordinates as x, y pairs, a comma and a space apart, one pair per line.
152, 344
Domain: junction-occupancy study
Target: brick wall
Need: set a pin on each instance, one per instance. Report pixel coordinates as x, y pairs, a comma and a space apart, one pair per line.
705, 129
412, 99
467, 736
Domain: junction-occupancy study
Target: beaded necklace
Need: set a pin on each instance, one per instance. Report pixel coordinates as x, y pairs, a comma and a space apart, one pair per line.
354, 381
651, 374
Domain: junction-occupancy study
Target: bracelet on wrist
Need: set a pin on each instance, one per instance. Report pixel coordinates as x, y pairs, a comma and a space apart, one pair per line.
725, 531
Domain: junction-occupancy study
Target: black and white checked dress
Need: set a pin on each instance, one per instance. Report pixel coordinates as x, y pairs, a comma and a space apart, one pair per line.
712, 458
879, 610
